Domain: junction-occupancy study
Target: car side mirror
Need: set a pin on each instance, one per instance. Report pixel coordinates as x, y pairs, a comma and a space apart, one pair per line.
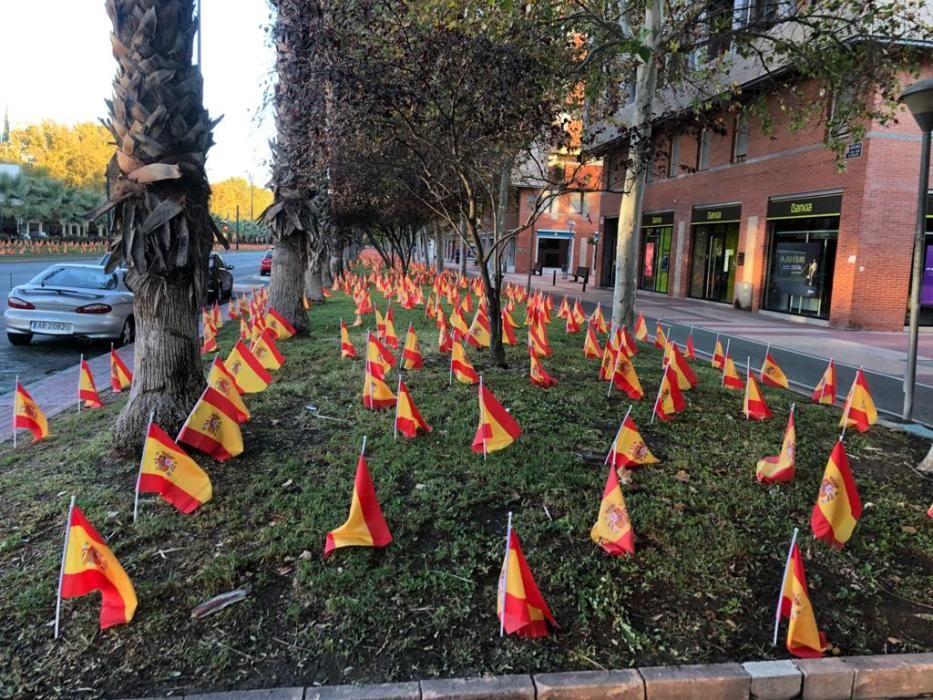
230, 267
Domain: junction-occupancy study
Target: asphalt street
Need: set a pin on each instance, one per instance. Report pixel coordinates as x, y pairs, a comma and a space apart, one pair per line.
47, 355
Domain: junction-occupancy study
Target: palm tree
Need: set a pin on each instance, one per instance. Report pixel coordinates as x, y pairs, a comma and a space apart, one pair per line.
159, 196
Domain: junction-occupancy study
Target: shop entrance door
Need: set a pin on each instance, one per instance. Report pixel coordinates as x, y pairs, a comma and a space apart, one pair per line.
712, 271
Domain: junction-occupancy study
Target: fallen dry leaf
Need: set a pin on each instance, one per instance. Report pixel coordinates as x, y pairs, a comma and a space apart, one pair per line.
682, 475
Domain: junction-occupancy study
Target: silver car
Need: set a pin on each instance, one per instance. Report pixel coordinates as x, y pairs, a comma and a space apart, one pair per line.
78, 301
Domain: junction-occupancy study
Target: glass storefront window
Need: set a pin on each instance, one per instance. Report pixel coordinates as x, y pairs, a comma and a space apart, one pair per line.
802, 259
712, 263
655, 258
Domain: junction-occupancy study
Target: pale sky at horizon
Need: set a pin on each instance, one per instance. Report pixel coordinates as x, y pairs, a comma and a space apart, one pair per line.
68, 79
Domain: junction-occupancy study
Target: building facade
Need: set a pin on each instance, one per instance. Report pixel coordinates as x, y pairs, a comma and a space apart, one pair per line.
765, 220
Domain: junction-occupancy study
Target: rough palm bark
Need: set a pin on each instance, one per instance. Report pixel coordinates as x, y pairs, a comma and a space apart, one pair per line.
161, 225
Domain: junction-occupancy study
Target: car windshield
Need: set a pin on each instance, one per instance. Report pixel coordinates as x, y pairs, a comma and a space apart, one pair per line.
80, 277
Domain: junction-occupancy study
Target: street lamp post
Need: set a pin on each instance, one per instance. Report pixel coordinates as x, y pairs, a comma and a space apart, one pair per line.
919, 100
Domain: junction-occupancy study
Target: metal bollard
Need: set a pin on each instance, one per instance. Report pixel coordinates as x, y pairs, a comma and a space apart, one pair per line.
554, 279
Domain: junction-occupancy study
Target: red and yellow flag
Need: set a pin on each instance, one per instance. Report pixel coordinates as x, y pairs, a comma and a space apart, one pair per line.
613, 529
247, 371
719, 356
838, 506
859, 410
660, 338
212, 427
775, 469
209, 341
629, 448
277, 323
497, 429
479, 336
28, 415
771, 373
563, 311
670, 401
390, 336
641, 328
444, 342
524, 611
686, 379
379, 358
222, 380
89, 565
458, 324
756, 408
804, 640
232, 310
691, 351
825, 391
591, 349
625, 378
629, 342
537, 373
408, 418
346, 345
376, 393
460, 365
87, 392
245, 331
411, 354
508, 329
266, 352
578, 314
539, 341
167, 470
598, 321
730, 376
120, 375
366, 526
572, 326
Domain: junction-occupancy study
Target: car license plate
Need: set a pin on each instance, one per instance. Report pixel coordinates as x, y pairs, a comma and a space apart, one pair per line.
53, 327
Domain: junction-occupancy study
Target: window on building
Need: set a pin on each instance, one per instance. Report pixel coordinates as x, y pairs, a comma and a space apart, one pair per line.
740, 139
579, 204
704, 146
554, 206
673, 165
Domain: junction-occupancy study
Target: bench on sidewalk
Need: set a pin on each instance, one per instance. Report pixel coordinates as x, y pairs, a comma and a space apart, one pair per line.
538, 269
583, 272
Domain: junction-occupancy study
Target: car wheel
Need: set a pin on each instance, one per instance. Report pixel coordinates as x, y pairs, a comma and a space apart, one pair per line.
19, 338
128, 334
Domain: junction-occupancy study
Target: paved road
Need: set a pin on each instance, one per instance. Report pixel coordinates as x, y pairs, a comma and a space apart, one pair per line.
47, 355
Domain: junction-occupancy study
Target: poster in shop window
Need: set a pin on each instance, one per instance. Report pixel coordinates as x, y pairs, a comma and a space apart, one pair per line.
649, 259
798, 269
926, 289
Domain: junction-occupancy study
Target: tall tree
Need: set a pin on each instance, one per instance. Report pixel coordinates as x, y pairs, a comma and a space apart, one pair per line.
234, 192
159, 197
77, 155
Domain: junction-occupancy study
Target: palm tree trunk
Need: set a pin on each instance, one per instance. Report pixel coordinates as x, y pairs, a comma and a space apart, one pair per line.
285, 284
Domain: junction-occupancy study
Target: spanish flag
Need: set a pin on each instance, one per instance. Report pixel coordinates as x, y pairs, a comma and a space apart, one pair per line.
390, 336
508, 329
380, 324
539, 341
408, 418
444, 342
624, 377
478, 335
771, 373
458, 324
686, 379
461, 367
209, 341
629, 342
379, 357
249, 374
507, 317
825, 391
537, 373
346, 345
572, 326
591, 349
859, 410
607, 364
168, 471
277, 324
366, 526
778, 468
87, 392
719, 357
670, 401
756, 408
563, 311
804, 640
222, 380
232, 313
28, 415
120, 375
497, 429
641, 328
245, 331
613, 529
411, 354
597, 320
577, 313
376, 393
660, 339
838, 506
212, 427
629, 448
89, 565
266, 352
520, 606
691, 351
730, 376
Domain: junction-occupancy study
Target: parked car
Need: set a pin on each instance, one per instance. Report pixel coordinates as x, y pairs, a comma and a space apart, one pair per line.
265, 265
219, 278
78, 301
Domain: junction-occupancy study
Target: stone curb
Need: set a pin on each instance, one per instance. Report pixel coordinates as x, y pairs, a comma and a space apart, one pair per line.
850, 678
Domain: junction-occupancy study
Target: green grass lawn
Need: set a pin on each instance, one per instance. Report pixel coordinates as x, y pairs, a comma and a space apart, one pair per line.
702, 585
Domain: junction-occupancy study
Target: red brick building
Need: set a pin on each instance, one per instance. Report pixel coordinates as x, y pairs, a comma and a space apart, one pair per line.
768, 223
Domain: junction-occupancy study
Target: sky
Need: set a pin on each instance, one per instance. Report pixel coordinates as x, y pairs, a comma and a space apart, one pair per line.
56, 63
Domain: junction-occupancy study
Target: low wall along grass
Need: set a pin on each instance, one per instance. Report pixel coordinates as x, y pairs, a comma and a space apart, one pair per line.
701, 586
